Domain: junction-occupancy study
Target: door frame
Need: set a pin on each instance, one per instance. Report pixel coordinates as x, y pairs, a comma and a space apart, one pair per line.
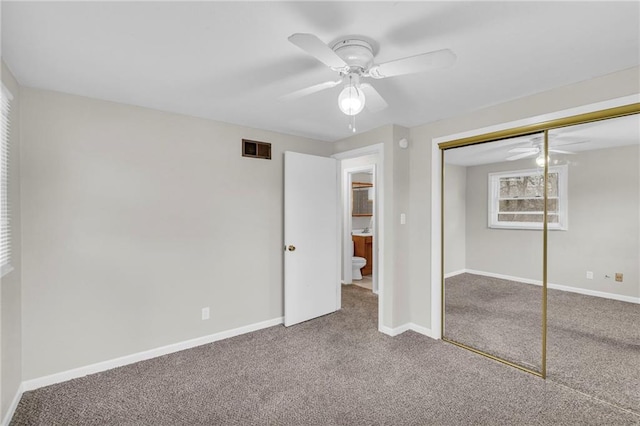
436, 193
378, 241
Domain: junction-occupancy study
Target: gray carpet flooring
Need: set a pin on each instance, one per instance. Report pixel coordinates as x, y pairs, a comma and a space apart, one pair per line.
593, 343
499, 317
337, 369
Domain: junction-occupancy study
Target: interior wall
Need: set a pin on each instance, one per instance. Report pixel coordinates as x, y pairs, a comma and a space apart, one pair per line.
136, 219
361, 222
455, 212
603, 233
610, 86
401, 203
11, 284
362, 177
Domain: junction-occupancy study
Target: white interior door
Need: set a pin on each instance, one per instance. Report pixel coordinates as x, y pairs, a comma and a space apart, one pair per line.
311, 259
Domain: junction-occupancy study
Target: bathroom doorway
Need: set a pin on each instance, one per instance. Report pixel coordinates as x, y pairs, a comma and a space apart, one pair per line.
361, 223
368, 159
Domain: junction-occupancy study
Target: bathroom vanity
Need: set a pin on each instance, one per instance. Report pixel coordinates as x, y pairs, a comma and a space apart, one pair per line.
363, 247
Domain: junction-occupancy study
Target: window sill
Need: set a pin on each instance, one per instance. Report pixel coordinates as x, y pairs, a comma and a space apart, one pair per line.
527, 228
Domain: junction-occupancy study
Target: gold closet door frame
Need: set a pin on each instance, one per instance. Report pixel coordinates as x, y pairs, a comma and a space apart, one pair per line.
544, 127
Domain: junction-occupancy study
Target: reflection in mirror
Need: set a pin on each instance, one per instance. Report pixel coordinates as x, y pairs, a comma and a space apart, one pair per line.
593, 265
493, 246
362, 194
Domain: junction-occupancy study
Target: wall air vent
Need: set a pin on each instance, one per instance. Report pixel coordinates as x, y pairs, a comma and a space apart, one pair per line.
255, 149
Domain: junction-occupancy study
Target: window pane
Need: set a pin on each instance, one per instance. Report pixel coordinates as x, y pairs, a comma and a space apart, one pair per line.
531, 218
528, 186
517, 187
535, 205
520, 218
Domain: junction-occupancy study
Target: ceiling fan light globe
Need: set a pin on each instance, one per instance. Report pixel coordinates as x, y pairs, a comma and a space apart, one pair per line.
540, 161
351, 106
351, 100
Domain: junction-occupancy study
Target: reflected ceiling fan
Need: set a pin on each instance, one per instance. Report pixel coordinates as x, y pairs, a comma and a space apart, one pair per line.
353, 59
536, 149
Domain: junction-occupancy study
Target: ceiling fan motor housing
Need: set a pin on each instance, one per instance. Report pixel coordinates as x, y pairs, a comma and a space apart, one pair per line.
358, 54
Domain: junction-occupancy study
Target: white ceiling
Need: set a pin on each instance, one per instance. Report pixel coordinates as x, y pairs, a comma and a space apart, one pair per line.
604, 134
230, 61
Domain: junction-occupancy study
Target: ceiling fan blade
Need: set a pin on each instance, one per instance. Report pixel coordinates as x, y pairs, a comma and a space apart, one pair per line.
559, 151
419, 63
309, 90
525, 155
316, 48
561, 141
523, 149
374, 102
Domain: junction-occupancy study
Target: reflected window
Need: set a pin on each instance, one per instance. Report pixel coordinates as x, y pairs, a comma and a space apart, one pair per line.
516, 199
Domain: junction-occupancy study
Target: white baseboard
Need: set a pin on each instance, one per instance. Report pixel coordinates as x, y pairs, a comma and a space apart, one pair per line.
404, 327
63, 376
454, 273
14, 404
394, 331
422, 330
566, 288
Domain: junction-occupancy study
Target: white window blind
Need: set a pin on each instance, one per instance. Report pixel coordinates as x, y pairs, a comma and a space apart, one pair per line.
5, 207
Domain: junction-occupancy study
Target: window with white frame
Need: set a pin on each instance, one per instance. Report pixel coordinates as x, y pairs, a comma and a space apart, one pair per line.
516, 199
5, 212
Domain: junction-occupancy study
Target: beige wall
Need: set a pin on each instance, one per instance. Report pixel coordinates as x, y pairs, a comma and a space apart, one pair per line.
362, 177
396, 199
134, 220
622, 83
10, 284
401, 201
455, 213
603, 233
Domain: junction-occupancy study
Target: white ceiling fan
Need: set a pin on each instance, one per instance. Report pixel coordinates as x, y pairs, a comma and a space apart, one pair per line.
353, 59
536, 149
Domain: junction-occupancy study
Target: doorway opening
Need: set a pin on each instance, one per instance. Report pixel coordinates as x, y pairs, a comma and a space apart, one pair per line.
361, 203
361, 226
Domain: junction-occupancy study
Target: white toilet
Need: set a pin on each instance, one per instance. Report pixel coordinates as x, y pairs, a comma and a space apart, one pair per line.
358, 263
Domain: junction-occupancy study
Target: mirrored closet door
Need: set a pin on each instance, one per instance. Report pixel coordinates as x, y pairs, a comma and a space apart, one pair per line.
493, 216
594, 262
541, 250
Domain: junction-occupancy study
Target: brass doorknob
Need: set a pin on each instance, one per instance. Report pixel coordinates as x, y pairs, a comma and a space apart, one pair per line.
291, 248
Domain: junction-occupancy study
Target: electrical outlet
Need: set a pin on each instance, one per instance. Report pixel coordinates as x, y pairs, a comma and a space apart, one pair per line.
589, 275
205, 313
619, 277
